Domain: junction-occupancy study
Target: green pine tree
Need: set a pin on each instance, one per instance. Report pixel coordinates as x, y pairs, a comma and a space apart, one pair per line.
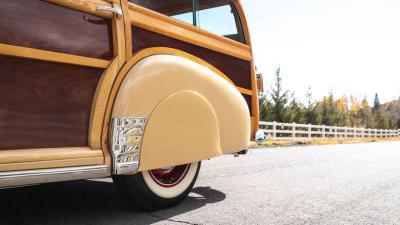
295, 111
377, 104
310, 114
329, 112
265, 107
279, 98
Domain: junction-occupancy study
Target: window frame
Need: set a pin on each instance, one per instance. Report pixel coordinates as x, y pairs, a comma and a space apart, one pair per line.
195, 9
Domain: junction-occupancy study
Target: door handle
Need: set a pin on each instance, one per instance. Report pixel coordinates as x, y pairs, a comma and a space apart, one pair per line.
116, 11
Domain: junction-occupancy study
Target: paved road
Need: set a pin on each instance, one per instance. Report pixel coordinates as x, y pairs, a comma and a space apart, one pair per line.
335, 184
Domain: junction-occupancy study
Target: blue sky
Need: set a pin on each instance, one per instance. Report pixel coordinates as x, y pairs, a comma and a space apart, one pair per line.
347, 46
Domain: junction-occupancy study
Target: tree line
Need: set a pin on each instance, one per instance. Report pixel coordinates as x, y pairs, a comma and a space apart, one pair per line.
281, 105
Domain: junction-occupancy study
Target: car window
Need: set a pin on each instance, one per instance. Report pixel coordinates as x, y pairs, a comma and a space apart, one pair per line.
216, 16
220, 19
178, 9
185, 17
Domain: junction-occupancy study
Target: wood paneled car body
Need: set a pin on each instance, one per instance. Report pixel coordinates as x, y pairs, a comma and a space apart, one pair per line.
140, 90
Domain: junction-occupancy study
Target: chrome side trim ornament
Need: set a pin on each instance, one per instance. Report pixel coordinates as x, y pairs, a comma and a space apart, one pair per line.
29, 177
126, 141
116, 11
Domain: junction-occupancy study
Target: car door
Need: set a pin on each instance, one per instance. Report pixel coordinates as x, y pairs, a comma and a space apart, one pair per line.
58, 59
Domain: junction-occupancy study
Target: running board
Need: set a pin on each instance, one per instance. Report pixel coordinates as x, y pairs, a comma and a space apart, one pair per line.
30, 177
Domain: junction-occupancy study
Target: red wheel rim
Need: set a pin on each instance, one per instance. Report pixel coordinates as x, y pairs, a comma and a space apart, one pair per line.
169, 177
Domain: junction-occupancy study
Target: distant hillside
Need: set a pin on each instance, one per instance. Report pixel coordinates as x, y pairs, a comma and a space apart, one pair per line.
392, 109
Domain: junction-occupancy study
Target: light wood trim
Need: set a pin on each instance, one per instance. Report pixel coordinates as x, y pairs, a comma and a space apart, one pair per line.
128, 30
245, 91
170, 27
105, 84
88, 6
44, 158
47, 154
100, 103
118, 30
179, 23
190, 26
17, 51
243, 20
254, 100
51, 164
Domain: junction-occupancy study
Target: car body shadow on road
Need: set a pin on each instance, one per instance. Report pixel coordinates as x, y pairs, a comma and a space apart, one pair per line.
88, 202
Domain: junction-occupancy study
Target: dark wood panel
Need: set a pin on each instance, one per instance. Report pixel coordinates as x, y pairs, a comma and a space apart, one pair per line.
247, 98
44, 104
238, 70
42, 25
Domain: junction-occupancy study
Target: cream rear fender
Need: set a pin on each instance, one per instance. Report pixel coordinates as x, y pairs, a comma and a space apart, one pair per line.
185, 113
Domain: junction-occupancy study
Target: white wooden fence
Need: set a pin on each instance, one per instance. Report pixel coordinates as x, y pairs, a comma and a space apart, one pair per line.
275, 130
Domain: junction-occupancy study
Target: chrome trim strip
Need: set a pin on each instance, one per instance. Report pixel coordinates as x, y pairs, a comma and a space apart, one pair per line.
125, 143
116, 11
29, 177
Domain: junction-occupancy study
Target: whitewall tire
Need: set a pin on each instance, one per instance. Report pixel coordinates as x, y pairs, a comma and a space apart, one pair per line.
160, 188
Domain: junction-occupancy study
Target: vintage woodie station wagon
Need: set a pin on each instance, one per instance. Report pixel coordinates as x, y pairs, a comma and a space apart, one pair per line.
141, 91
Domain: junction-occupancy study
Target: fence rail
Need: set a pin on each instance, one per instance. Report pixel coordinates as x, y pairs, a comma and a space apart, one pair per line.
275, 130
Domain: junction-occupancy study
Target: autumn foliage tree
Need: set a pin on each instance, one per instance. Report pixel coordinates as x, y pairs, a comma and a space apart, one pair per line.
282, 106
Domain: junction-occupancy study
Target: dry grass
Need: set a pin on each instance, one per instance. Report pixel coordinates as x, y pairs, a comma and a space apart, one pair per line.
319, 141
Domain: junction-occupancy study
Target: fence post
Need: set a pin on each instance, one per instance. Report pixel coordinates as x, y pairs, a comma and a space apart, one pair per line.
294, 130
369, 132
362, 132
274, 130
335, 131
309, 130
323, 131
354, 132
345, 132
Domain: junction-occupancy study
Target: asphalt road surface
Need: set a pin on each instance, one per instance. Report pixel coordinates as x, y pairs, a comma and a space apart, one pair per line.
332, 184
